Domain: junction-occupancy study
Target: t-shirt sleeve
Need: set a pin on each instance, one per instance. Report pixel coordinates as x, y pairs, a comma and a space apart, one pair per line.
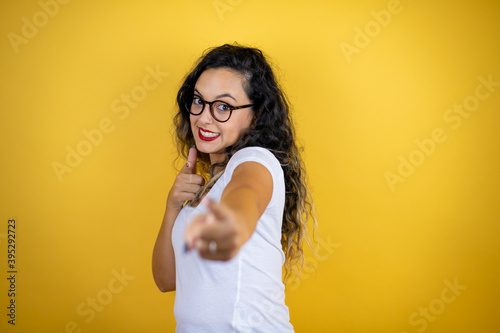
261, 156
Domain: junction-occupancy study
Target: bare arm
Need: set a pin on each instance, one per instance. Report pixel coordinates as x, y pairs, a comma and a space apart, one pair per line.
186, 184
232, 221
163, 254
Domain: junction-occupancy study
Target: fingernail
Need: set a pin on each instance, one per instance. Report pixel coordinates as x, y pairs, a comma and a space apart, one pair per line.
193, 146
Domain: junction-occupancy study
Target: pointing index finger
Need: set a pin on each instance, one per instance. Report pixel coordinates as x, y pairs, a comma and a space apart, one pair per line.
190, 166
218, 211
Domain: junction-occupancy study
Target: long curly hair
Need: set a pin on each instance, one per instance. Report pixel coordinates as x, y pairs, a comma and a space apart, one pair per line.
272, 128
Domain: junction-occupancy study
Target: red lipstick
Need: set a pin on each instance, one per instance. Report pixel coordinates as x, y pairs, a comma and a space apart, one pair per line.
206, 135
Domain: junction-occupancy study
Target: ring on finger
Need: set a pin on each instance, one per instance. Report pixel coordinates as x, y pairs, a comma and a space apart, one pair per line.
212, 247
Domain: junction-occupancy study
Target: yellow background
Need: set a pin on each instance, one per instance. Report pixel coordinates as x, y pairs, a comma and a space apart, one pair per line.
387, 252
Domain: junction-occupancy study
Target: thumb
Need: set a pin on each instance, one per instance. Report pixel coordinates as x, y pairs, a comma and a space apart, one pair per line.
190, 166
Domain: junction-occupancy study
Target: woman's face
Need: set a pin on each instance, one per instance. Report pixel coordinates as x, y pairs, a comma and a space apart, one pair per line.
213, 137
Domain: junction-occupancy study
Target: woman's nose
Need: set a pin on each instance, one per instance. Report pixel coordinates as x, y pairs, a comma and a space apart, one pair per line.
206, 116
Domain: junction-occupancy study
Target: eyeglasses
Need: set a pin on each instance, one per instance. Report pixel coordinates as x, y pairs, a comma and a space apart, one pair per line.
220, 111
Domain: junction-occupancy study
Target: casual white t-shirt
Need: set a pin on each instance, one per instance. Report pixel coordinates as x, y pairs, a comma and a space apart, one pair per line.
246, 293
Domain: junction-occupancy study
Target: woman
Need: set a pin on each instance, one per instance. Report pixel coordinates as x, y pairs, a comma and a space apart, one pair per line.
247, 201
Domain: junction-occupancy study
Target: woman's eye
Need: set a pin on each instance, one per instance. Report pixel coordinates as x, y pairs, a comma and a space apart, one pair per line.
197, 101
223, 107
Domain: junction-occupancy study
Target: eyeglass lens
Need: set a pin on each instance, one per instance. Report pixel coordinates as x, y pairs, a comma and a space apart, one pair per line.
220, 111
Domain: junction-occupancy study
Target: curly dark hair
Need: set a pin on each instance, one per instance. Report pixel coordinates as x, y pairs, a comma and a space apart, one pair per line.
272, 128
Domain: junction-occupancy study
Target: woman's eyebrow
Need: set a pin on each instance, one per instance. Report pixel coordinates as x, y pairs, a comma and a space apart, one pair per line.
196, 90
218, 96
226, 95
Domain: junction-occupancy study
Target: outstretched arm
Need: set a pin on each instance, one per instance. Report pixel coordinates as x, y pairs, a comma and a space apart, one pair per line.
232, 222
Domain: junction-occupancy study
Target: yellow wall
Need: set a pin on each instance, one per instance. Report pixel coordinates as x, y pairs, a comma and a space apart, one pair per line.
392, 104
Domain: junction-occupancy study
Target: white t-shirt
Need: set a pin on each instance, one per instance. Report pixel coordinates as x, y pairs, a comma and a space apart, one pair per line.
246, 293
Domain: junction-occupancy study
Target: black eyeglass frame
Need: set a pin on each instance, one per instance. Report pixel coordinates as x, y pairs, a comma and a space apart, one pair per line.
231, 107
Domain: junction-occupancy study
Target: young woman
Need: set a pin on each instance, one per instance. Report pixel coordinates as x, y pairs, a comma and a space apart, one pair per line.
238, 208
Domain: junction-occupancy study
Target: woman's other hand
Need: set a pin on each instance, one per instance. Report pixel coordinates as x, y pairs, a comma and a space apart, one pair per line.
186, 184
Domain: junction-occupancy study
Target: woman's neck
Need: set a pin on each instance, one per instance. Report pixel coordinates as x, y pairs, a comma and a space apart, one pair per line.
217, 158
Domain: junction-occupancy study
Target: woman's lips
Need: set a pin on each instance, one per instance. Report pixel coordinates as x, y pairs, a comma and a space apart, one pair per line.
206, 135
